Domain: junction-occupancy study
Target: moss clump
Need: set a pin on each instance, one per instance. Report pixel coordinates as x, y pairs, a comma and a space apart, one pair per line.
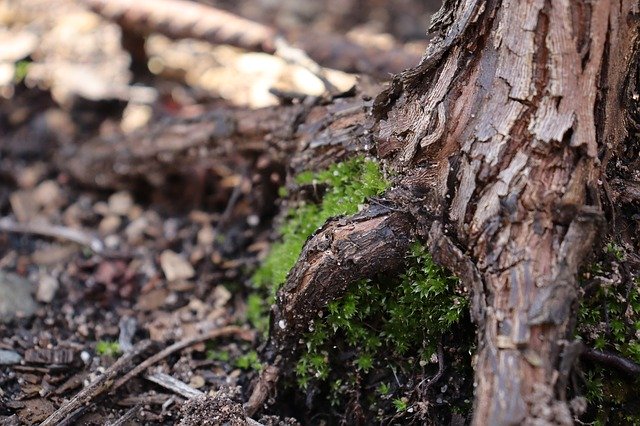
349, 184
387, 325
381, 329
107, 348
609, 319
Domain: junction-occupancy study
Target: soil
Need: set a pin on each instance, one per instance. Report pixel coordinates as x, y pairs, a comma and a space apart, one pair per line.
87, 273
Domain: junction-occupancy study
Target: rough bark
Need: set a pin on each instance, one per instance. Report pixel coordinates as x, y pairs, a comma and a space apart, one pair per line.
510, 109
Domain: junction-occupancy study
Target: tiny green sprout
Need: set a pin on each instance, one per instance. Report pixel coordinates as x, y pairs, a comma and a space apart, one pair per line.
384, 388
249, 361
218, 355
108, 348
256, 312
615, 250
401, 404
364, 362
21, 69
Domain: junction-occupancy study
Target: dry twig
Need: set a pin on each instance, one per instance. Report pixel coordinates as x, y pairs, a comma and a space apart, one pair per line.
96, 388
174, 385
53, 231
213, 334
183, 19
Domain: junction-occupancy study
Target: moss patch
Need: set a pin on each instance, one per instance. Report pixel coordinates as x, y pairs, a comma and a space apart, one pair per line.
383, 333
382, 329
350, 184
609, 319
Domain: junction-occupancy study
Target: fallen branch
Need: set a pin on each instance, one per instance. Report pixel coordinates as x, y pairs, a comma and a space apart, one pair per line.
54, 231
213, 334
98, 387
183, 19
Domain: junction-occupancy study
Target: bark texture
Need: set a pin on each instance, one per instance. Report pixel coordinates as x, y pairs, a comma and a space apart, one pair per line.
511, 110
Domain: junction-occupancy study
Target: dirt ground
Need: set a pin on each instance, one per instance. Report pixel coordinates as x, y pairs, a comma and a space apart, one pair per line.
96, 279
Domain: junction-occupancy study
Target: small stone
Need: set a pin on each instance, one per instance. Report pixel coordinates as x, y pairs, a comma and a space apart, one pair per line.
48, 194
221, 296
8, 357
47, 288
101, 208
109, 224
23, 205
135, 212
85, 357
196, 382
135, 230
16, 298
111, 241
120, 203
175, 267
206, 236
29, 177
253, 220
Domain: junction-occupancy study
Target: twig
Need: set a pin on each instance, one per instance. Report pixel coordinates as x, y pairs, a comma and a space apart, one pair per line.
174, 385
266, 383
612, 360
440, 372
184, 19
219, 332
96, 388
53, 231
129, 415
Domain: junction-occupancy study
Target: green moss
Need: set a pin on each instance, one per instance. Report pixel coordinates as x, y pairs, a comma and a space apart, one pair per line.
249, 361
215, 355
349, 184
609, 319
386, 326
106, 348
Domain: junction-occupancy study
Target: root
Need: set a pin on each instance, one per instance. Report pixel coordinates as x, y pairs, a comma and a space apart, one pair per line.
342, 252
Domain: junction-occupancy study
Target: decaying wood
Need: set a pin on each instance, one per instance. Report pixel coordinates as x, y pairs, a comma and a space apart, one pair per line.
185, 19
225, 140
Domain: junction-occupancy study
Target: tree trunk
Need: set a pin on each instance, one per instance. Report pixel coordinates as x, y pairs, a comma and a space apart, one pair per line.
500, 133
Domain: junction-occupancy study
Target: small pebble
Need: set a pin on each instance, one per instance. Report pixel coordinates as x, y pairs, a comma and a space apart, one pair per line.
47, 288
109, 224
8, 357
120, 203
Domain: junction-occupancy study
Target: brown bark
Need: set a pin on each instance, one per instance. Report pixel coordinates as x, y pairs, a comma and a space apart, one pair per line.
510, 110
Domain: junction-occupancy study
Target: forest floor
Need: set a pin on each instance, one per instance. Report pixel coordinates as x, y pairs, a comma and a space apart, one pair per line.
126, 302
91, 276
